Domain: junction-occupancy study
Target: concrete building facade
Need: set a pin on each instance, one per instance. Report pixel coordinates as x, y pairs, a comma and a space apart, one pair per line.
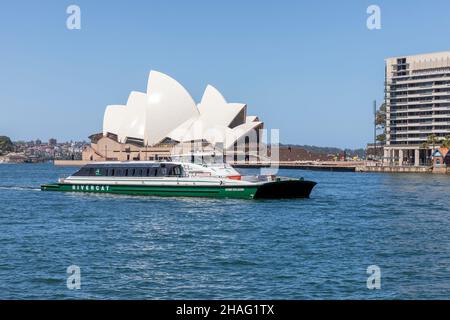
417, 97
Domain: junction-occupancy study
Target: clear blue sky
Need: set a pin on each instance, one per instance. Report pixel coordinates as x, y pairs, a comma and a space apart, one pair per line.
309, 68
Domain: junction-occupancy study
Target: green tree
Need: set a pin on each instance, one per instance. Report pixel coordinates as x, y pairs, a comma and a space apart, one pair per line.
432, 140
381, 137
380, 122
380, 117
6, 145
446, 141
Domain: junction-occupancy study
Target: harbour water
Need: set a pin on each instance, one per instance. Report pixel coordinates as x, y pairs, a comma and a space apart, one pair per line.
180, 248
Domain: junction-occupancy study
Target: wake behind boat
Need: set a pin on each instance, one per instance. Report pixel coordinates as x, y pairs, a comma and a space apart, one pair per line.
179, 179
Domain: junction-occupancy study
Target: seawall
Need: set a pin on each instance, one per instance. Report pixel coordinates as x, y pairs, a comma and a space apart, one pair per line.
393, 169
70, 163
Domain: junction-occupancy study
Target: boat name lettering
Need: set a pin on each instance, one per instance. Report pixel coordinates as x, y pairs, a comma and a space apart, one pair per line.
96, 188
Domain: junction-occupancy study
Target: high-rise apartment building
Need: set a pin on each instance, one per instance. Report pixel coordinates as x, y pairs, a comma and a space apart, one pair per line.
417, 95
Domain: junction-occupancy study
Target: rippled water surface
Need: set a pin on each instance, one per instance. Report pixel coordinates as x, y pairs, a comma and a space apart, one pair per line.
181, 248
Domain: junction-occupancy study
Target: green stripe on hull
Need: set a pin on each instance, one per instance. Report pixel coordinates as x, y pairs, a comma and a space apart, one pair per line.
241, 192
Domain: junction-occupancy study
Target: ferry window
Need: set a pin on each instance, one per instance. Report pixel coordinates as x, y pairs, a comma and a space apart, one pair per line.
119, 172
126, 173
138, 173
133, 172
113, 171
175, 171
92, 171
151, 172
161, 172
82, 172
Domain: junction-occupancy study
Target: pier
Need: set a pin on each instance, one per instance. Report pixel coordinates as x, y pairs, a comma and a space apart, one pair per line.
70, 163
395, 169
337, 166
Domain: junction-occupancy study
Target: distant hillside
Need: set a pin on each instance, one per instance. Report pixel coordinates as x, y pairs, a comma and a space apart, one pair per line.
325, 150
329, 150
6, 145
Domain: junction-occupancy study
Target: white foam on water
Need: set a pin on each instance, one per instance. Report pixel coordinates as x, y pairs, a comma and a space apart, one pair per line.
19, 188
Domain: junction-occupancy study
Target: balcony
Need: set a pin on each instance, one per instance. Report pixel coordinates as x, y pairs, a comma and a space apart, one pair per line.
407, 80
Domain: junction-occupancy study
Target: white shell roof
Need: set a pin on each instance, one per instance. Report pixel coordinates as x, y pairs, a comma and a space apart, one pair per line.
251, 119
112, 120
133, 119
169, 105
167, 110
215, 110
241, 131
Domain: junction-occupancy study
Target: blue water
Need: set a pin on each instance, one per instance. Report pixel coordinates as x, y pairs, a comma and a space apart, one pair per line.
180, 248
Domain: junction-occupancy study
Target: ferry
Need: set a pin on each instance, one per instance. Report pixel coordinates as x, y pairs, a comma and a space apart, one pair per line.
180, 179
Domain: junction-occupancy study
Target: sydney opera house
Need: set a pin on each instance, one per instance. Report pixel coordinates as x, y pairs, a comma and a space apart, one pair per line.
166, 121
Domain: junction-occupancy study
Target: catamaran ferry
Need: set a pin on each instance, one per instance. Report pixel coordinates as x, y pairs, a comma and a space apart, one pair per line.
179, 179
